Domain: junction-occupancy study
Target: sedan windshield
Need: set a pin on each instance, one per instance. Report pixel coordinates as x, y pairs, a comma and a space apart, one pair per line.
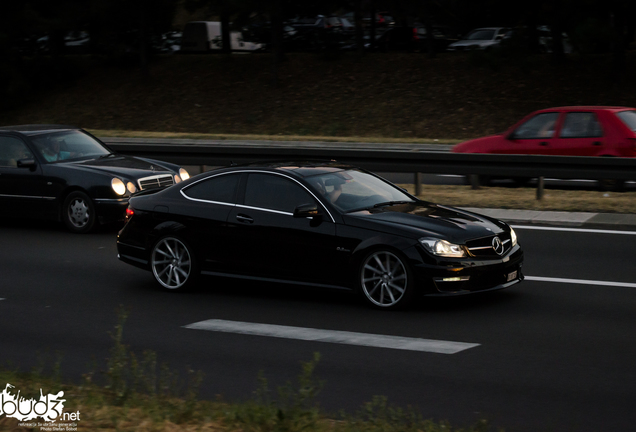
354, 190
66, 145
481, 35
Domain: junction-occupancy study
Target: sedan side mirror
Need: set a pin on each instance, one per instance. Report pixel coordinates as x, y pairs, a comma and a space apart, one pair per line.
27, 163
306, 211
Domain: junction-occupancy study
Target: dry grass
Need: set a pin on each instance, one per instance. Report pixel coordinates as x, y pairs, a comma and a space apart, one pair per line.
525, 198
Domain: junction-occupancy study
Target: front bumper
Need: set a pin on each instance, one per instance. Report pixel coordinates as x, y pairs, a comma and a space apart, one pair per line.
467, 276
110, 209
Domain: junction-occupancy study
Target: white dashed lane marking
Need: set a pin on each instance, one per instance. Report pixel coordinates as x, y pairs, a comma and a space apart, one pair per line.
333, 336
581, 230
581, 281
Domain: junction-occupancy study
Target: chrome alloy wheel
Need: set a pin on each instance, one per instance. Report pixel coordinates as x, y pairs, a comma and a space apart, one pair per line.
384, 279
171, 263
79, 212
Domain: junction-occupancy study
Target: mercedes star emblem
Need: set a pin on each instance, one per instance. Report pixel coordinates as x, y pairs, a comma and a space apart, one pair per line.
497, 245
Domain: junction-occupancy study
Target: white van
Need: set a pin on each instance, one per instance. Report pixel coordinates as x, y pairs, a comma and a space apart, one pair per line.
203, 36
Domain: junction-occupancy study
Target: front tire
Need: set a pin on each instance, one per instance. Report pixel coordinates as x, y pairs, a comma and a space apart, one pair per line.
172, 263
385, 280
78, 213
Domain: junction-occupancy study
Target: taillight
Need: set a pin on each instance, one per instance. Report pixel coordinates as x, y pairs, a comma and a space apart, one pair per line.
129, 213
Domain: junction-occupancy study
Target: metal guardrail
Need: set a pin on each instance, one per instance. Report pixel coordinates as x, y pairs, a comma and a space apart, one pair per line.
378, 157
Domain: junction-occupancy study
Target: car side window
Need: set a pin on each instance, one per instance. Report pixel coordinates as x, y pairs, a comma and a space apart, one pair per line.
539, 126
12, 150
221, 188
275, 192
581, 125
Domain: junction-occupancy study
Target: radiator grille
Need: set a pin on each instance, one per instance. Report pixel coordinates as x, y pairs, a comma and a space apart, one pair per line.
156, 181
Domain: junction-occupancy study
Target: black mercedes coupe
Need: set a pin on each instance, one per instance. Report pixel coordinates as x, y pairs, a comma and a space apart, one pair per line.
63, 173
318, 224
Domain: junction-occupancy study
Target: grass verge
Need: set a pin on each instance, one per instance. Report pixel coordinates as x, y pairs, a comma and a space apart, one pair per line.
525, 198
136, 394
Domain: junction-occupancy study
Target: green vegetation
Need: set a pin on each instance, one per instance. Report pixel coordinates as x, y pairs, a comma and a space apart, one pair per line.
139, 395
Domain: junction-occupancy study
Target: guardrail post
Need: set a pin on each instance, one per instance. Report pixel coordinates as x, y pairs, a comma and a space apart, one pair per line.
418, 183
540, 184
474, 181
202, 169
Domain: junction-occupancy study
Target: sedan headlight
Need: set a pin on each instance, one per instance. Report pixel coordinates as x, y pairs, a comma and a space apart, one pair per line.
131, 187
513, 237
442, 248
118, 186
183, 174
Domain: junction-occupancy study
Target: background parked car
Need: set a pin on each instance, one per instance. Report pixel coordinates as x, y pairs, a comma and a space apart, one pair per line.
481, 38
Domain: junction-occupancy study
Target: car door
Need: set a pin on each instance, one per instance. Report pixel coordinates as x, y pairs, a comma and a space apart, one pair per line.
581, 134
271, 242
21, 187
205, 211
534, 136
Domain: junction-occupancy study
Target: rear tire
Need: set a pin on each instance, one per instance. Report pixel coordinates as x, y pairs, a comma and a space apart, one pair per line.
173, 264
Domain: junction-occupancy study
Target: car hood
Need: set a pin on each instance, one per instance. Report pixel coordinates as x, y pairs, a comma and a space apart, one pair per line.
123, 166
422, 219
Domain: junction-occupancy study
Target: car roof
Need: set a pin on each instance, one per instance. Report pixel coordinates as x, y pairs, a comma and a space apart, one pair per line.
588, 108
35, 129
298, 168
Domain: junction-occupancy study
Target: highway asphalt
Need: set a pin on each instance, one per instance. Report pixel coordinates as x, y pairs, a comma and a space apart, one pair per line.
554, 353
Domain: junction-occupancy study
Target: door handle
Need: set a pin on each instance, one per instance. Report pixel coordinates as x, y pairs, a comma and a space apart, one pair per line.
244, 218
597, 143
543, 143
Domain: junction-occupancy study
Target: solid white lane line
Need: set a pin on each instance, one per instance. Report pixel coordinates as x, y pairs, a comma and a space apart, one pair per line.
581, 281
2, 299
333, 336
582, 230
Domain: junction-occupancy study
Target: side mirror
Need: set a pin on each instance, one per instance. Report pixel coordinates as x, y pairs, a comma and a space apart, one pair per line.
306, 211
27, 163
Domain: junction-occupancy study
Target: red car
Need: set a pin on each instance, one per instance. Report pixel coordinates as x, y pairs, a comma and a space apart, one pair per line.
569, 131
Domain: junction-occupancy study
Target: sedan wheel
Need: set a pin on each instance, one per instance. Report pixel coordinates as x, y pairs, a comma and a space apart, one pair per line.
172, 263
385, 280
78, 212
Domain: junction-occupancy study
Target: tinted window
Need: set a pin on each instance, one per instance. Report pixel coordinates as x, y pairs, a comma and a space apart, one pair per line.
12, 150
581, 125
275, 192
629, 118
539, 126
221, 188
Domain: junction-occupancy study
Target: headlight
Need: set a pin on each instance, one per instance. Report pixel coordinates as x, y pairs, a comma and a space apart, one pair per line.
513, 237
183, 174
131, 187
442, 248
118, 186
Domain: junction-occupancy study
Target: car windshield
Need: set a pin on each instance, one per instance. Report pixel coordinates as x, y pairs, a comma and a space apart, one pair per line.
353, 190
481, 35
68, 145
629, 118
